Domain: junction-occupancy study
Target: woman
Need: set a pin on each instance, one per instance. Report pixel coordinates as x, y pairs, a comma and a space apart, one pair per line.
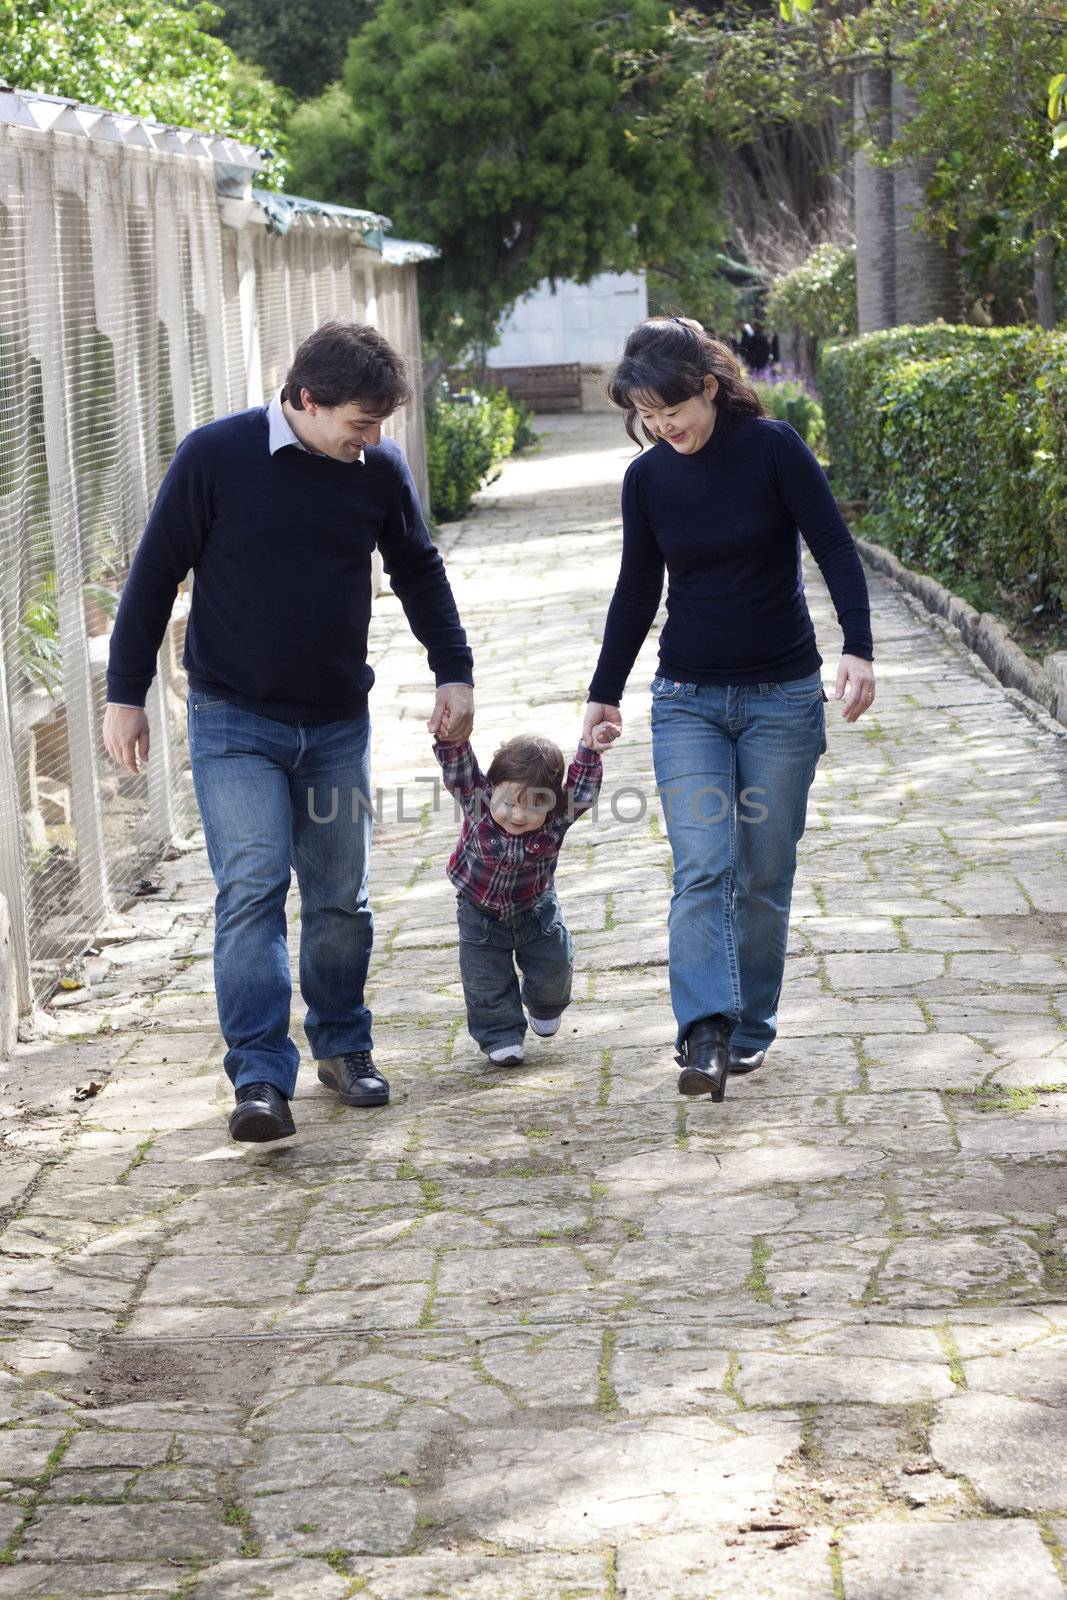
737, 710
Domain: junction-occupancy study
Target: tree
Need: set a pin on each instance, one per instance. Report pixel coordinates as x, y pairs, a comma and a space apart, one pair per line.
775, 137
503, 131
972, 104
147, 58
327, 158
978, 119
299, 43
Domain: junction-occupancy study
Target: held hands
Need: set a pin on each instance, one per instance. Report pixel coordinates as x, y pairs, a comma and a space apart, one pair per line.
452, 717
855, 684
602, 726
603, 737
125, 734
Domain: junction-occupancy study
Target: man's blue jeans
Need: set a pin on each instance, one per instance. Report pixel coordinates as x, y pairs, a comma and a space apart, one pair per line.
733, 767
275, 797
538, 942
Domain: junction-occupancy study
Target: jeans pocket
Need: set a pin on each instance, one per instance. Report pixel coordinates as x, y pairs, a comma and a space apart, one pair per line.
548, 916
799, 691
668, 689
206, 702
475, 927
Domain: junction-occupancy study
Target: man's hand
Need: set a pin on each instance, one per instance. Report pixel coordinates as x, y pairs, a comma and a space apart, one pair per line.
595, 717
855, 685
125, 733
452, 717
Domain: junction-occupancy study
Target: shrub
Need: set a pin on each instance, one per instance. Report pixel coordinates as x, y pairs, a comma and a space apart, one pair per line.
788, 399
957, 437
468, 435
819, 296
851, 375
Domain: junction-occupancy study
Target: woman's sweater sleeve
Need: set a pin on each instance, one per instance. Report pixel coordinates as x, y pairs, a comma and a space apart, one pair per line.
636, 599
804, 489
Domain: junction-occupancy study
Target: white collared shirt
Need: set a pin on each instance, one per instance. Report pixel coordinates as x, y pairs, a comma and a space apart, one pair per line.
280, 431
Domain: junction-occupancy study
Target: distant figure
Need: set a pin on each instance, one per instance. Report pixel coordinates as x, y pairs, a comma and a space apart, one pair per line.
758, 352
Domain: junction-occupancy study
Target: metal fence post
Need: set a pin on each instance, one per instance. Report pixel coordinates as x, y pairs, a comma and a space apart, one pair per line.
12, 865
48, 325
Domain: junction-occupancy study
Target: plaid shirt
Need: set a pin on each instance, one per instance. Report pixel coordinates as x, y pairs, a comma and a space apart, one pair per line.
505, 873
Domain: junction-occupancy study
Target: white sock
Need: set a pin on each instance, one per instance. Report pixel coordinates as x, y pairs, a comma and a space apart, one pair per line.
544, 1026
507, 1052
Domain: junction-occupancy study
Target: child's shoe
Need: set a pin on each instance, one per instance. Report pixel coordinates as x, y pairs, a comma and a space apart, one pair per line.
544, 1027
507, 1055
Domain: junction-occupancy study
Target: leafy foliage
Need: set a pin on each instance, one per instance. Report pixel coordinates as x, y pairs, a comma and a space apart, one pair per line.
977, 75
788, 399
504, 132
148, 58
299, 43
326, 157
467, 437
958, 438
819, 296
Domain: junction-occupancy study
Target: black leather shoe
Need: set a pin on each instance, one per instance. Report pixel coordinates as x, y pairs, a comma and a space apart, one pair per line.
354, 1079
262, 1113
705, 1058
746, 1060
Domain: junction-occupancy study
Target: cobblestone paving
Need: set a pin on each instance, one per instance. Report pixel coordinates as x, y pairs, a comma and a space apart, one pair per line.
553, 1333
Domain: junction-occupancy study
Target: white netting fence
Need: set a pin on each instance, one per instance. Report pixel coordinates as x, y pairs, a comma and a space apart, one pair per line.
130, 312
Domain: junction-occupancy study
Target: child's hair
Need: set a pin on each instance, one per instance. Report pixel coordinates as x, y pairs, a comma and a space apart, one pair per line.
532, 762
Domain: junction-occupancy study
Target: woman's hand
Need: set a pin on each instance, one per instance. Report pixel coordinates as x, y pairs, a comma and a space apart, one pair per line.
855, 685
592, 728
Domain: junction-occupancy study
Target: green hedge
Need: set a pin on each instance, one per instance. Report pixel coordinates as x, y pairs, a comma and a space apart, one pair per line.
789, 400
467, 437
957, 439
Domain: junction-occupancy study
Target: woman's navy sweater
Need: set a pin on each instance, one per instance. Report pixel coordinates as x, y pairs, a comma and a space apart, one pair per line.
725, 523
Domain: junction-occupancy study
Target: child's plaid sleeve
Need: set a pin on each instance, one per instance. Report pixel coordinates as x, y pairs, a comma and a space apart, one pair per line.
462, 776
584, 777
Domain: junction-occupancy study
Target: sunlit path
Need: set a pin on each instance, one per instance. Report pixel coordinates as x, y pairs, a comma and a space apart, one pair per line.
553, 1332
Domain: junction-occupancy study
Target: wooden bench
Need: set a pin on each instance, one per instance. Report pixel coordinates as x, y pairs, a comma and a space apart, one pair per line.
549, 388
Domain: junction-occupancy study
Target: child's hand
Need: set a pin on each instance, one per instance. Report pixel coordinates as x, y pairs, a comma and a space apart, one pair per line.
604, 736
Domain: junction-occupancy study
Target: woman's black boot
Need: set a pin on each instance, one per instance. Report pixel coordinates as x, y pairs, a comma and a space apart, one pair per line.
705, 1058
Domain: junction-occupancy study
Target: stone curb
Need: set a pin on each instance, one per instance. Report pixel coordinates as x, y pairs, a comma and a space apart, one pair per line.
981, 632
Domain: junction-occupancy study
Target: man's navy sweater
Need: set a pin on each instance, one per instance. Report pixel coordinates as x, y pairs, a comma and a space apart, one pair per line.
280, 547
725, 523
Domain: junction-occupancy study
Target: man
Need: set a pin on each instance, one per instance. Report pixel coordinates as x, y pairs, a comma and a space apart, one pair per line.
277, 511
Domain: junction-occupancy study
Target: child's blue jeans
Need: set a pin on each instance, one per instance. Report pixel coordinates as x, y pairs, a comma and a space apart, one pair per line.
538, 942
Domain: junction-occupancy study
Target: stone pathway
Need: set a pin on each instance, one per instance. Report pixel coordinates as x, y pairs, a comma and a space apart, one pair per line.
555, 1333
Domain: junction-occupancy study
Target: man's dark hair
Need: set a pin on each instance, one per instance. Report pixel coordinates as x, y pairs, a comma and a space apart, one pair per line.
345, 361
534, 763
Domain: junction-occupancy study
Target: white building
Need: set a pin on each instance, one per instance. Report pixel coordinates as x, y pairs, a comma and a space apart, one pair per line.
566, 324
583, 322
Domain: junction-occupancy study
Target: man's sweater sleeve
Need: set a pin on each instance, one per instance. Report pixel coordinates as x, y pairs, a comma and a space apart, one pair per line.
809, 499
418, 578
636, 599
170, 545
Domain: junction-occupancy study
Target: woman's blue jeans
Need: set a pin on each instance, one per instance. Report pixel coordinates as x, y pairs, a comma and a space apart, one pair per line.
273, 798
733, 768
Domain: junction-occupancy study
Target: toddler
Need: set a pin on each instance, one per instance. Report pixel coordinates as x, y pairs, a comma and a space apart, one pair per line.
514, 821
